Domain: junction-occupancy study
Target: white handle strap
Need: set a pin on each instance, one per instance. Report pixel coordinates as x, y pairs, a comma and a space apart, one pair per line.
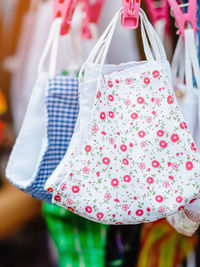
191, 60
178, 62
52, 38
105, 40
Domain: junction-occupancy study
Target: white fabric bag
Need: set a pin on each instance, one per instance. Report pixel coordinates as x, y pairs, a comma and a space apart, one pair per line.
109, 174
31, 142
187, 220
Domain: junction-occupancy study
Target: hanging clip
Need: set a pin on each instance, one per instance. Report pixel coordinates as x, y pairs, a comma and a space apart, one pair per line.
182, 19
130, 16
65, 9
159, 10
95, 10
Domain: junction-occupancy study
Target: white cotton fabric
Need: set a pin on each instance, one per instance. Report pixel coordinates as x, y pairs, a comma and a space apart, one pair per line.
108, 182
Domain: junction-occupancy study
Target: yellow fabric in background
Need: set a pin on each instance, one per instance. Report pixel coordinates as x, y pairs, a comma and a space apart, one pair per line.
162, 246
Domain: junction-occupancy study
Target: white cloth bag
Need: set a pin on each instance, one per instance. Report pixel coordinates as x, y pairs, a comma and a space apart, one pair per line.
31, 141
95, 179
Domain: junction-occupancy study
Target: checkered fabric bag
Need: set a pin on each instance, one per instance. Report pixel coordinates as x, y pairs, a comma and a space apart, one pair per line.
62, 108
47, 128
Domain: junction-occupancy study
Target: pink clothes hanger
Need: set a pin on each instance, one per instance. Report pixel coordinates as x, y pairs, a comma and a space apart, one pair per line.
66, 8
130, 15
159, 10
182, 19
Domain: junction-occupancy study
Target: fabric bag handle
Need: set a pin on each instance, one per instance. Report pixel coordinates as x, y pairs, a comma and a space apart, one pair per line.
105, 40
191, 60
52, 42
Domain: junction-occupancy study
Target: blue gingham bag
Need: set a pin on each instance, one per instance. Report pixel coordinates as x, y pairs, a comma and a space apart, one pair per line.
47, 127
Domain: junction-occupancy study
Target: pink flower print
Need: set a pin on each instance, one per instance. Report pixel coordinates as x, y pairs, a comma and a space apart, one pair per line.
155, 164
88, 209
179, 199
189, 165
156, 74
193, 147
150, 180
139, 212
123, 148
110, 84
111, 114
63, 186
117, 81
111, 98
183, 125
142, 166
159, 199
118, 223
125, 207
107, 196
171, 177
86, 170
75, 189
71, 175
102, 115
191, 201
146, 80
128, 81
181, 207
152, 99
95, 129
161, 209
104, 133
149, 119
126, 162
69, 201
170, 100
50, 189
143, 144
88, 148
71, 209
166, 184
148, 209
141, 134
140, 100
134, 116
160, 133
157, 101
106, 161
98, 174
153, 112
174, 166
112, 141
98, 94
129, 213
100, 215
127, 102
57, 198
116, 200
127, 178
174, 138
131, 144
114, 182
169, 164
163, 144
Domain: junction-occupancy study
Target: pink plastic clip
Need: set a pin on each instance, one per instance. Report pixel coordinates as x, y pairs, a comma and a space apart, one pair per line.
86, 33
65, 9
159, 10
95, 10
183, 18
130, 16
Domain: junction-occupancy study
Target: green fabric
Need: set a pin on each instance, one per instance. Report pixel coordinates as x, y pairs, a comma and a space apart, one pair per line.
80, 242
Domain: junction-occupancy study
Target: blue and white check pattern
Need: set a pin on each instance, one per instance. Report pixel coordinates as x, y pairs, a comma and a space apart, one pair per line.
62, 107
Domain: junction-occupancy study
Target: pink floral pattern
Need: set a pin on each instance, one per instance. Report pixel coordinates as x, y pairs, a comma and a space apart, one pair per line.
138, 163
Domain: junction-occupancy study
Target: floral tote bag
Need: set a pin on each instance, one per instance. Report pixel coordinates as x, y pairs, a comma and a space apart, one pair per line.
135, 163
